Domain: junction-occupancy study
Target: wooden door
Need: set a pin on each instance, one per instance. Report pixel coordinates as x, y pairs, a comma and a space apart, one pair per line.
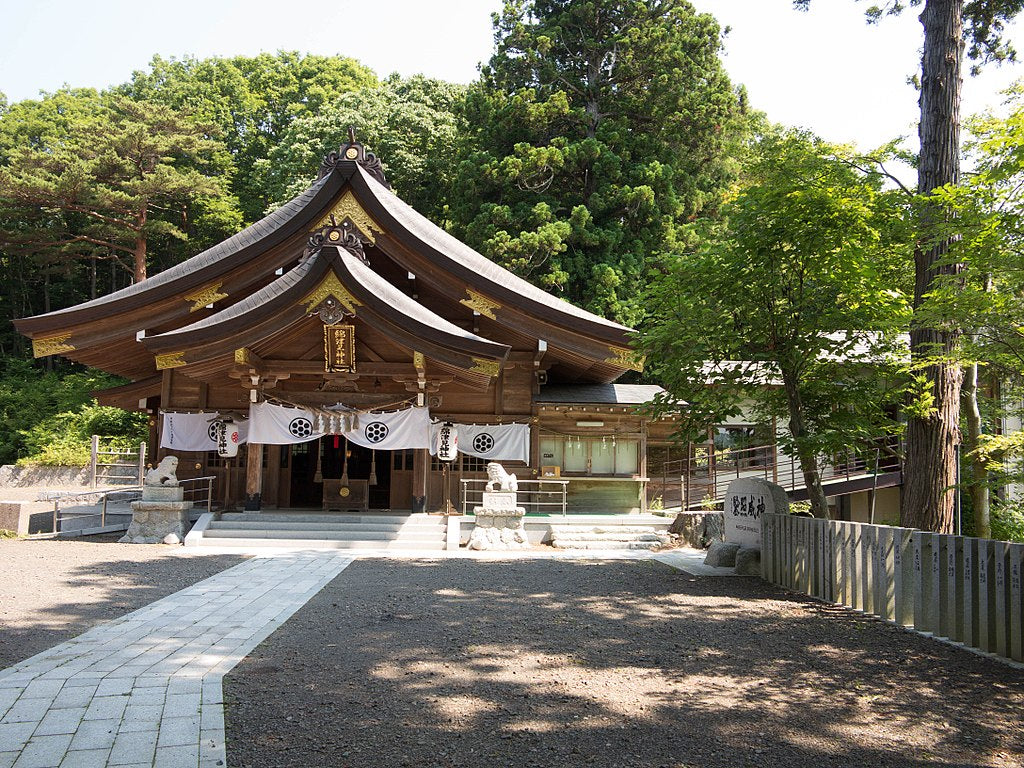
401, 479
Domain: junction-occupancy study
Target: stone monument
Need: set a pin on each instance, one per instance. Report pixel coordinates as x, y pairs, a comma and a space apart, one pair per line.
746, 499
162, 514
499, 519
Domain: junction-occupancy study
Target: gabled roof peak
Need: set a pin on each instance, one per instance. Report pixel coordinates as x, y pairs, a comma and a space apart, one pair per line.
357, 153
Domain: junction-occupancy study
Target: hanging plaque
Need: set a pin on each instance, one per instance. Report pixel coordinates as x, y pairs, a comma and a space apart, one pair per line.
340, 348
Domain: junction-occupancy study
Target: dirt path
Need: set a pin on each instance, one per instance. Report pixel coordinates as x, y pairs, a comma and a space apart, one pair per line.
562, 663
51, 590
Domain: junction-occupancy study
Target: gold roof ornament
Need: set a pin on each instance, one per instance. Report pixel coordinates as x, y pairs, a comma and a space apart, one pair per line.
626, 358
331, 286
52, 345
418, 361
205, 296
487, 367
481, 304
349, 208
170, 360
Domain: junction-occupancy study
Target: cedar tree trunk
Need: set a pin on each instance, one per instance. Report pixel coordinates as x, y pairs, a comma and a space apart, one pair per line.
930, 474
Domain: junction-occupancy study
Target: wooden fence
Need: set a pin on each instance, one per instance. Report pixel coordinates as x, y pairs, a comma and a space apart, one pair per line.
965, 589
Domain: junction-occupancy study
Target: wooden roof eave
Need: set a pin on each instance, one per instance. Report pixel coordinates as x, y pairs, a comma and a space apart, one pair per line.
127, 396
284, 303
297, 216
420, 234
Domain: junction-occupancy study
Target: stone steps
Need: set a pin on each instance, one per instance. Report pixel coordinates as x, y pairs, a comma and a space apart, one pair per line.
608, 537
315, 531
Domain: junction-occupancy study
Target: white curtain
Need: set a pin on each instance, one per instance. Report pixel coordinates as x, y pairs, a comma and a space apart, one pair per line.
495, 442
196, 431
394, 431
281, 425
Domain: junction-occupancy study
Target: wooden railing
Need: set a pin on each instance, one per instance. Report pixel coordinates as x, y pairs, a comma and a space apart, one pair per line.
965, 589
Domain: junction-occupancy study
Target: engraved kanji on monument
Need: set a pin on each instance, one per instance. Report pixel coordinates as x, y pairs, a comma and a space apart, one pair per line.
746, 499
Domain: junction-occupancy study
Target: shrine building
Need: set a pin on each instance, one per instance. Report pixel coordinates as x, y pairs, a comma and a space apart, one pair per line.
334, 337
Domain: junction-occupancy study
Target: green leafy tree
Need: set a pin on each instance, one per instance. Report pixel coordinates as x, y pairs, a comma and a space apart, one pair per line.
791, 306
410, 123
253, 99
598, 131
107, 178
933, 428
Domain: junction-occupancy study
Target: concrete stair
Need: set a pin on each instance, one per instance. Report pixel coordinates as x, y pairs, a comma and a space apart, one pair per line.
324, 531
608, 537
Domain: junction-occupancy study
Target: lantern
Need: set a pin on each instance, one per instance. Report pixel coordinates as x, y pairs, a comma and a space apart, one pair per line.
227, 439
447, 442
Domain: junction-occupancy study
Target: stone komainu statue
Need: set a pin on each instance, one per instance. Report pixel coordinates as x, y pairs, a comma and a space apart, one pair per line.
164, 473
497, 476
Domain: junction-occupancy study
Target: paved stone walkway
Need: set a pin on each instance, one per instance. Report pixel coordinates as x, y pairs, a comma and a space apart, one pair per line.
145, 689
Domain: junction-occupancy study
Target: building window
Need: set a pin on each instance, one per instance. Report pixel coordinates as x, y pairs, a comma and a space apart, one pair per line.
596, 455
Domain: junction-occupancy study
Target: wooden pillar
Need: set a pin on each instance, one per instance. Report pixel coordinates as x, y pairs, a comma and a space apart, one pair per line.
272, 489
420, 468
253, 477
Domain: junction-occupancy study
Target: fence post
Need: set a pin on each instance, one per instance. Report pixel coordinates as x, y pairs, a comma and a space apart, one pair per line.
938, 593
903, 566
853, 565
867, 565
767, 522
922, 589
969, 590
1002, 555
1016, 612
209, 496
94, 458
142, 463
954, 588
986, 594
882, 598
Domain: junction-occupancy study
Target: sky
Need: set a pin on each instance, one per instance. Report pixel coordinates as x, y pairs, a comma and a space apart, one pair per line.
825, 70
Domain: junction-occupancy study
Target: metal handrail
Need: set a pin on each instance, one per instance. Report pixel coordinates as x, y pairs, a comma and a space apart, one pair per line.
193, 493
710, 474
557, 490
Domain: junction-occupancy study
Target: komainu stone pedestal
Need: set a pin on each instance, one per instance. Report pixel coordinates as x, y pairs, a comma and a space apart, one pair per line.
499, 523
161, 513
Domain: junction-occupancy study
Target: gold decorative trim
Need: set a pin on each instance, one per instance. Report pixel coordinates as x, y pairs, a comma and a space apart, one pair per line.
349, 208
626, 358
51, 345
205, 296
243, 356
170, 360
480, 303
331, 286
487, 367
418, 361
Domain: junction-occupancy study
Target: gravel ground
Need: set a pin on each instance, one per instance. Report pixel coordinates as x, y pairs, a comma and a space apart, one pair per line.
52, 590
617, 663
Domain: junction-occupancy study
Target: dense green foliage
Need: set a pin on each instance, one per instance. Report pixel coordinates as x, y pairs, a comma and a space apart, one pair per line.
791, 307
40, 408
410, 124
598, 131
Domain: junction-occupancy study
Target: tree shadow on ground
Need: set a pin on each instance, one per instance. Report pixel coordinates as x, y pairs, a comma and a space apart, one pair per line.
53, 590
574, 663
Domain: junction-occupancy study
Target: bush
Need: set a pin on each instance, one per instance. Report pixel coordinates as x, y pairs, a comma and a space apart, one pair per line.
1008, 520
65, 439
30, 396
